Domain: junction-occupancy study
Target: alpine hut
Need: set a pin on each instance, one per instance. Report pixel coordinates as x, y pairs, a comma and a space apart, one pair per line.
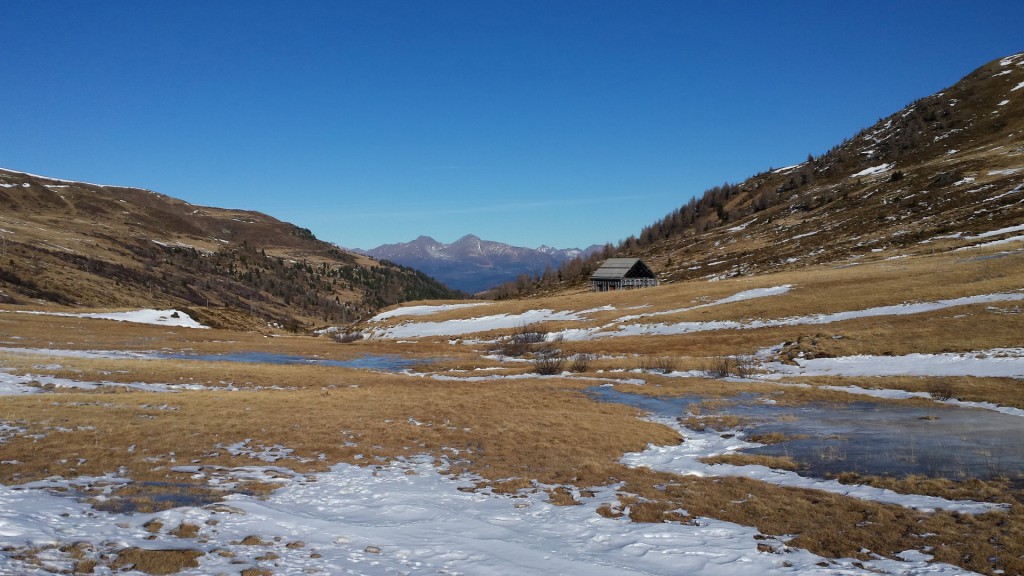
622, 274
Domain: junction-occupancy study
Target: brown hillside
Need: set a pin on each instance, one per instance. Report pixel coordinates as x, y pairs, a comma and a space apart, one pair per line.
945, 172
78, 244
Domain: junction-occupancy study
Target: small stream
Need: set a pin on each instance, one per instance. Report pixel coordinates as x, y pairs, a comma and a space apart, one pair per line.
869, 438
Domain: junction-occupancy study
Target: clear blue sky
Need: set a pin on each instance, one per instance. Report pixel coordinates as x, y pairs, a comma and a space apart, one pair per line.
561, 123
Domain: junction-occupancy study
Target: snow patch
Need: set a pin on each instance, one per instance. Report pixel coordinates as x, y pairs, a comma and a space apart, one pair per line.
409, 517
873, 170
1001, 363
147, 316
422, 310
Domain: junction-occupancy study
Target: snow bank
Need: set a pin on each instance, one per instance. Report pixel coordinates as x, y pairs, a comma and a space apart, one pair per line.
461, 326
470, 325
1004, 363
422, 310
147, 316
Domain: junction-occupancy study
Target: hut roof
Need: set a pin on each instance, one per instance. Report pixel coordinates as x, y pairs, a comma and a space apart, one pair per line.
617, 268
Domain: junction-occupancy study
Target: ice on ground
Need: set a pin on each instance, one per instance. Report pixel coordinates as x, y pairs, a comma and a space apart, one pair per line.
685, 458
407, 517
15, 385
148, 316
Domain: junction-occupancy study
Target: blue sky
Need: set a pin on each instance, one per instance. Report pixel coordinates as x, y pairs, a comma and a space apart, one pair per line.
561, 123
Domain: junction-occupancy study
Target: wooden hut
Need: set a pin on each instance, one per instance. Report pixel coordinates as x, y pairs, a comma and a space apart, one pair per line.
622, 274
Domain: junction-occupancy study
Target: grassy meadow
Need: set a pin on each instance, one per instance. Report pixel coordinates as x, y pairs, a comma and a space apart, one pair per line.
481, 411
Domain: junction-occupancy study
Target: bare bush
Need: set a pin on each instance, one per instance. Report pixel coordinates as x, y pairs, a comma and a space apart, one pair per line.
549, 362
744, 366
725, 366
521, 342
661, 364
719, 367
942, 391
580, 362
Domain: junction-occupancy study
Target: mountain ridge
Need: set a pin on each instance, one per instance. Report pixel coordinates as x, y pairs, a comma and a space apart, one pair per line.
471, 263
943, 173
87, 245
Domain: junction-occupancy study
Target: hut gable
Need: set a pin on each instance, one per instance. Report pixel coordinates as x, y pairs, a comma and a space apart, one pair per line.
622, 274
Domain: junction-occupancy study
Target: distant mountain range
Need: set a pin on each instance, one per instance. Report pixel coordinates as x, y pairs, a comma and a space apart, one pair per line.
472, 264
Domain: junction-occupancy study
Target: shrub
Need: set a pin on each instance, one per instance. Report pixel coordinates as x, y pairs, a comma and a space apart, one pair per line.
718, 367
662, 364
548, 360
942, 391
521, 342
725, 366
580, 362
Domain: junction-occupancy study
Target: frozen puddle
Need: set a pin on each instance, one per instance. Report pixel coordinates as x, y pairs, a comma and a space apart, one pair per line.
409, 518
383, 362
864, 437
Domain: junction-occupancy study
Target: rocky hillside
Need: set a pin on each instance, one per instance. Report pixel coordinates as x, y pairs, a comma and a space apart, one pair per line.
472, 264
945, 172
85, 245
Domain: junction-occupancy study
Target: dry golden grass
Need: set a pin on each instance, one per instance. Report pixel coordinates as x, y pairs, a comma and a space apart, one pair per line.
839, 527
738, 459
156, 561
493, 427
997, 490
1002, 391
518, 433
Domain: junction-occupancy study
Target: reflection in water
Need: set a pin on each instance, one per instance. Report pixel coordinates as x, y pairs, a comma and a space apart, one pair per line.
384, 362
869, 438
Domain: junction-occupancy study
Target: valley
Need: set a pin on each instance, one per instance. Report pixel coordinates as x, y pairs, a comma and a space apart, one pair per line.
117, 445
826, 381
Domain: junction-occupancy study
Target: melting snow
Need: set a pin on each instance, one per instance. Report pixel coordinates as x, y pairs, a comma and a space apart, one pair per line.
873, 170
684, 458
471, 325
1001, 363
422, 310
407, 517
817, 319
149, 316
1018, 228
